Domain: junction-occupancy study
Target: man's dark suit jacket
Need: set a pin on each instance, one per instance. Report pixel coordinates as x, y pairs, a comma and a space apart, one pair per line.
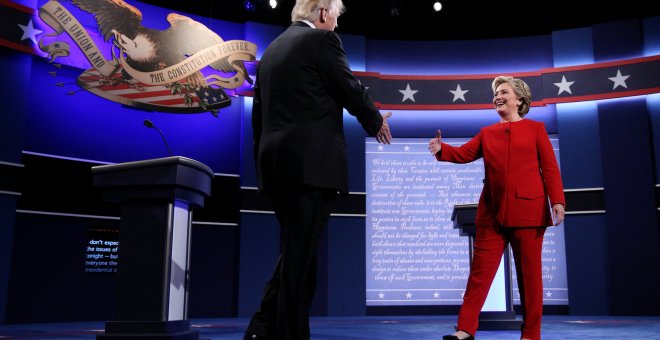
303, 82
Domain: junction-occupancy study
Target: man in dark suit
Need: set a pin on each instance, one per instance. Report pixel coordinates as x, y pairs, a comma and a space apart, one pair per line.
303, 83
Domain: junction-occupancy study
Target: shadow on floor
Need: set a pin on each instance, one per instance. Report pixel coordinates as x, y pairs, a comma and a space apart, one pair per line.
372, 328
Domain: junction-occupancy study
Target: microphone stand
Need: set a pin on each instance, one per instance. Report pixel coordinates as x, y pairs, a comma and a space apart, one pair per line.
151, 125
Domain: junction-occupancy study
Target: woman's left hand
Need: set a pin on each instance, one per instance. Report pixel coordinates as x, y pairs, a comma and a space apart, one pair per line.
558, 213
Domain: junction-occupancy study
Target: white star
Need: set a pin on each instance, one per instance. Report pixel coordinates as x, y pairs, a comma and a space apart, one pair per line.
619, 80
408, 295
436, 295
380, 148
29, 32
406, 148
408, 93
381, 295
564, 85
548, 294
459, 94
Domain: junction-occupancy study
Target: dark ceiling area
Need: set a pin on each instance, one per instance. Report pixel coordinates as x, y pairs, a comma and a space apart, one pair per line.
416, 20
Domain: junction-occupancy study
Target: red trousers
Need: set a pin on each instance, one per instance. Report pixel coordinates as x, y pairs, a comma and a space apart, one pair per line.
489, 245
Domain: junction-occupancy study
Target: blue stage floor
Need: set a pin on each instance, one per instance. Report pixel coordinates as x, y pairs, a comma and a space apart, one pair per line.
372, 328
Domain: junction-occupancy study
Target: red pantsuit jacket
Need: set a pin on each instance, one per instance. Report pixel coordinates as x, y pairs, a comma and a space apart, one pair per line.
521, 173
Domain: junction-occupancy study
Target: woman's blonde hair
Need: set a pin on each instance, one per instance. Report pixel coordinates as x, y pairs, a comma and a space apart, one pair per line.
310, 9
520, 88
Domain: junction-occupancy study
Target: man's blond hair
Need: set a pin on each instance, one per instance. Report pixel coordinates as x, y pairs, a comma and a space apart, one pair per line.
311, 9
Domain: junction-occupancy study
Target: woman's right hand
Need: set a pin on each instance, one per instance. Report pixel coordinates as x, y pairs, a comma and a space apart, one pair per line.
435, 144
384, 136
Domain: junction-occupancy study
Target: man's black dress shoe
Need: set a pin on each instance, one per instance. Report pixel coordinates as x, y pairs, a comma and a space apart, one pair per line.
454, 337
252, 336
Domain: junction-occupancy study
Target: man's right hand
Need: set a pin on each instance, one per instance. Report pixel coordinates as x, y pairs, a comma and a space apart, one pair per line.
384, 136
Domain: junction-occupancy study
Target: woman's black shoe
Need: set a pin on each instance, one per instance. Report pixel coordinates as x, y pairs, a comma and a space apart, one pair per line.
454, 337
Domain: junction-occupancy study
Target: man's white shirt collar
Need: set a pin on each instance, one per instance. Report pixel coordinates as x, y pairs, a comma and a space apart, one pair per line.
308, 23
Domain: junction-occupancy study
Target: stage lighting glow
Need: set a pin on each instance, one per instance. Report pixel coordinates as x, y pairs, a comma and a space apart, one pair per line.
437, 6
273, 3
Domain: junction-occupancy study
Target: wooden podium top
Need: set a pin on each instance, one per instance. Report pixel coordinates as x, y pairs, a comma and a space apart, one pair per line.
171, 178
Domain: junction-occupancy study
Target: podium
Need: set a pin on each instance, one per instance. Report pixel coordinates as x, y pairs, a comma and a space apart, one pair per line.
156, 197
464, 216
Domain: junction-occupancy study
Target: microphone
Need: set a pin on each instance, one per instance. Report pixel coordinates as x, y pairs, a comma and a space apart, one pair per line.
151, 125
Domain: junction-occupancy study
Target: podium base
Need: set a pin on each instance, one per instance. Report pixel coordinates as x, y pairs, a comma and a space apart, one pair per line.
499, 321
152, 330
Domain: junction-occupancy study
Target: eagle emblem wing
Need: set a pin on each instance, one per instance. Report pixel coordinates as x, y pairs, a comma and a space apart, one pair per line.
190, 36
112, 16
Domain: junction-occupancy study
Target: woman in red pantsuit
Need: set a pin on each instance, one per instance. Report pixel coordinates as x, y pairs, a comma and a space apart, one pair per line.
521, 173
